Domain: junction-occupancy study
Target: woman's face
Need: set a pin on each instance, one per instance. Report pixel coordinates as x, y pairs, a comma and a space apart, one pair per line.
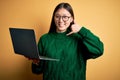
62, 20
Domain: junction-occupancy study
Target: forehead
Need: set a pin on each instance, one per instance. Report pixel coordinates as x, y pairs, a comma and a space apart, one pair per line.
62, 11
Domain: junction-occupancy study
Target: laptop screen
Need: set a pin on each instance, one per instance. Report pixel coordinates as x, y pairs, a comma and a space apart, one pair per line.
24, 42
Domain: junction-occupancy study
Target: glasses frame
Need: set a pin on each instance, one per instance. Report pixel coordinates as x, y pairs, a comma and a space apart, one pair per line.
64, 18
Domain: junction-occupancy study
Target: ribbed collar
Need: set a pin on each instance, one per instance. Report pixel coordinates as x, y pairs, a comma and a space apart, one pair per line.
60, 35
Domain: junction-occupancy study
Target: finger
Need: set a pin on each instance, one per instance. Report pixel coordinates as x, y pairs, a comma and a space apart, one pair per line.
69, 33
36, 61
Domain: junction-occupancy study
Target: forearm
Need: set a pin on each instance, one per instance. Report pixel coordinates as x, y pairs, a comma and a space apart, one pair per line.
92, 42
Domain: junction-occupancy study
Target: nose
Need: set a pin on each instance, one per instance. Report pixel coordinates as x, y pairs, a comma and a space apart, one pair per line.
60, 19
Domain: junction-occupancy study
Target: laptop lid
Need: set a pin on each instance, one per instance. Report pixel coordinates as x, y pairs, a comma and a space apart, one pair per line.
24, 42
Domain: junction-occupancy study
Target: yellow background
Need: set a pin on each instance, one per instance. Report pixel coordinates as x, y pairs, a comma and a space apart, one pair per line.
102, 17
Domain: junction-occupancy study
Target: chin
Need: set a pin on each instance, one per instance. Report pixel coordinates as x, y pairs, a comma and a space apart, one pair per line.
61, 29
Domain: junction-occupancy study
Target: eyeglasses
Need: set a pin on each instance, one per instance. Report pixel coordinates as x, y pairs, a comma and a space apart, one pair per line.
64, 18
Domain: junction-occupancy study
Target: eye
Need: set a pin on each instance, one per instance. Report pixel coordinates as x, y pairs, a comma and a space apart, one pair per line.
57, 16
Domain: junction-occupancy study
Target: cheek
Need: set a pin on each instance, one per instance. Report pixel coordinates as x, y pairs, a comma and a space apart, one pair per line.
55, 22
67, 24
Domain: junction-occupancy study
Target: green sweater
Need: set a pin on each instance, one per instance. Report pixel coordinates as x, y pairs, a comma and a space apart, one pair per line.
73, 51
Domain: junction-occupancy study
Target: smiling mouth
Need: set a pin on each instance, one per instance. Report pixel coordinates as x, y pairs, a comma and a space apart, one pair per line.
61, 25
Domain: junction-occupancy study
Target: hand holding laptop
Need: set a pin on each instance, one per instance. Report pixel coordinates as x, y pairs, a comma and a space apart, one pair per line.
35, 61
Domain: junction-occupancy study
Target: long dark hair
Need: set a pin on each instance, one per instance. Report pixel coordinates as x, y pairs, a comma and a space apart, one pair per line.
66, 6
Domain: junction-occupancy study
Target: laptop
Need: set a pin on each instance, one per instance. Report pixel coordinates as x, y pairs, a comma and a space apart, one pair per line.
24, 43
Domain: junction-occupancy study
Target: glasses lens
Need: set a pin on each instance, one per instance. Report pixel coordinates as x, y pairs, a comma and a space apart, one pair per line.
65, 18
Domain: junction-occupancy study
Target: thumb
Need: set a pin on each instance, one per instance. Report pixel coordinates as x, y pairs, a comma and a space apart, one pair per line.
70, 33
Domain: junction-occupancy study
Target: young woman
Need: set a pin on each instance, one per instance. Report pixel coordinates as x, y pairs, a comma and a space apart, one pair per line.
69, 42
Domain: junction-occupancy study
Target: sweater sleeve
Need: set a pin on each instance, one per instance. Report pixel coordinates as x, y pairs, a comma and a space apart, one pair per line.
37, 69
92, 43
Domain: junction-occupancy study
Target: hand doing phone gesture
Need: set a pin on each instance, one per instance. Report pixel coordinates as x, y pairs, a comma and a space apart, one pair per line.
74, 28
